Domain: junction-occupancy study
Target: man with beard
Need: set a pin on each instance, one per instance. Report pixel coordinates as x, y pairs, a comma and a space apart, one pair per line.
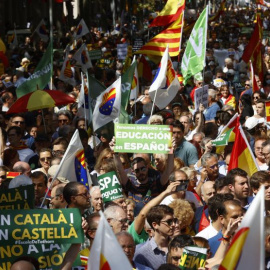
239, 185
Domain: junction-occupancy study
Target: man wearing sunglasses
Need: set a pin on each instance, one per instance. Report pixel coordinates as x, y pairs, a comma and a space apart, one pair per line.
154, 252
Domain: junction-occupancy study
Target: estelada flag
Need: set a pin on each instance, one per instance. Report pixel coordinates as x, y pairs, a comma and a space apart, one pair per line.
106, 253
108, 105
171, 12
242, 156
246, 250
170, 36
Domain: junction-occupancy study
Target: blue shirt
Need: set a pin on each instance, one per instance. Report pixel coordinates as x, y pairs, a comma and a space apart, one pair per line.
210, 112
214, 243
187, 152
150, 255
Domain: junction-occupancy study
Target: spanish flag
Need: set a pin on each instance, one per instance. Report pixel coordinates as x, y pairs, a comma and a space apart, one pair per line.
255, 86
242, 156
170, 36
106, 253
171, 12
247, 247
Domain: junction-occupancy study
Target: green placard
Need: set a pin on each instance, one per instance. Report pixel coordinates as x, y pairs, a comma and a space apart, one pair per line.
193, 258
223, 138
95, 54
110, 187
143, 138
45, 234
17, 198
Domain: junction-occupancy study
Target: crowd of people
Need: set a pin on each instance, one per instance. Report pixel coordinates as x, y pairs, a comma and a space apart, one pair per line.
170, 201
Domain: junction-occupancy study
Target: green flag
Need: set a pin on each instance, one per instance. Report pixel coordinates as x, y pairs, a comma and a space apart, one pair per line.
193, 60
40, 77
95, 87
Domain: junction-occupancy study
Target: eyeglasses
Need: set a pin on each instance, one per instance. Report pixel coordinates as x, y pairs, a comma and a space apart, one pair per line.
3, 177
58, 152
45, 158
258, 148
18, 122
85, 195
170, 221
214, 166
256, 97
176, 258
143, 169
247, 84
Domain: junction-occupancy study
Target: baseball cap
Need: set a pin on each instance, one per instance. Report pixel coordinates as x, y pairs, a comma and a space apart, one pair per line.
252, 122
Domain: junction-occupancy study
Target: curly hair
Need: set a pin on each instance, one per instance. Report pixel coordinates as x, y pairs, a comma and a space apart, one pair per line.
183, 212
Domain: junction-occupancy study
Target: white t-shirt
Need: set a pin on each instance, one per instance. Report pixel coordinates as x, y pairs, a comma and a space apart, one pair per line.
208, 232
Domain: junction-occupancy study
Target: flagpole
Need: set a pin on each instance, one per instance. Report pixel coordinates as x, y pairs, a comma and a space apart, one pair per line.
51, 38
181, 35
206, 29
84, 109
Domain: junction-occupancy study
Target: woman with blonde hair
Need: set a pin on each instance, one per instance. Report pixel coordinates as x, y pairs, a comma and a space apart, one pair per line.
160, 162
105, 154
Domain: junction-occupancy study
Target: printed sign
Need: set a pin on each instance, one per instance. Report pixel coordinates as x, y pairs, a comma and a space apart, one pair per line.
138, 43
122, 50
193, 258
223, 138
143, 138
45, 234
95, 54
17, 198
201, 97
110, 187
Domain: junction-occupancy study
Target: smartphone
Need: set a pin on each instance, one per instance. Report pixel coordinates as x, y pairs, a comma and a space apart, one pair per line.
183, 186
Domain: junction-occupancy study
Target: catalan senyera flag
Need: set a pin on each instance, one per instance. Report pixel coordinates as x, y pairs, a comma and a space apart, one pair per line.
242, 156
73, 165
106, 253
42, 31
246, 250
171, 11
108, 105
255, 86
170, 36
165, 85
253, 49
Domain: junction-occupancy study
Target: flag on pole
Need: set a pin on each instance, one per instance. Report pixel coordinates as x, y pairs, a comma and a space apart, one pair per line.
14, 40
82, 58
106, 253
40, 77
81, 29
135, 82
171, 12
73, 165
165, 85
95, 87
255, 86
242, 156
67, 73
144, 70
193, 60
83, 103
42, 31
108, 105
253, 50
170, 36
247, 247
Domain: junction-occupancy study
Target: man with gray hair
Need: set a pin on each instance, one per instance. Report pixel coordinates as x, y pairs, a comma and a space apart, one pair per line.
96, 199
22, 167
266, 152
210, 170
211, 111
117, 218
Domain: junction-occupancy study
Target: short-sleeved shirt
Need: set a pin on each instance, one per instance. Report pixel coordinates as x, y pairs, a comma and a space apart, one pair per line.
140, 193
187, 152
210, 112
150, 255
138, 238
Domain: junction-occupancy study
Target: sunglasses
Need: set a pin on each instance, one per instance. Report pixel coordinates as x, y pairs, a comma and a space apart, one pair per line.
170, 221
3, 177
214, 166
62, 121
45, 158
143, 169
247, 84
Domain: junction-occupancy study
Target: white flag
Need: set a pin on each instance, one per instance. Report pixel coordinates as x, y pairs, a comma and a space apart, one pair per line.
83, 103
108, 105
82, 58
67, 73
165, 85
106, 252
135, 83
42, 31
81, 30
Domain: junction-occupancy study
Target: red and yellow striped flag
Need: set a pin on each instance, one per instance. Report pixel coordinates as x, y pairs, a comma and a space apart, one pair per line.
171, 12
242, 156
170, 36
